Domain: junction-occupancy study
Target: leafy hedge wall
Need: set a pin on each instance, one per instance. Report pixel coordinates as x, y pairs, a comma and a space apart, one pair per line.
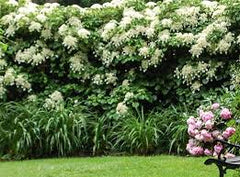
114, 57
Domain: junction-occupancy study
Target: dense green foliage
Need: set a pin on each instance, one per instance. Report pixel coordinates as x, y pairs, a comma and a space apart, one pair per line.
117, 77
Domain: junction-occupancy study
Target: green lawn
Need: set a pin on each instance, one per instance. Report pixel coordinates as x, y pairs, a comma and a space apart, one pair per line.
156, 166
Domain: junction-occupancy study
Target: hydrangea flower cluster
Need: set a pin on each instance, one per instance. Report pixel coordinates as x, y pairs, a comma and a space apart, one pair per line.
10, 78
196, 74
205, 128
55, 101
126, 34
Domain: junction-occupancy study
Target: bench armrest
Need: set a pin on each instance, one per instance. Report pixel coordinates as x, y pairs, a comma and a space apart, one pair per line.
225, 144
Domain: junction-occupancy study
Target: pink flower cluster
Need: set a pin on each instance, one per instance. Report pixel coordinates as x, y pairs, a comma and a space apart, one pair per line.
203, 130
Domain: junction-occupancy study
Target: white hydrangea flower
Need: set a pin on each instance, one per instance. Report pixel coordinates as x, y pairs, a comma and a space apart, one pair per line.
202, 41
164, 36
150, 32
12, 2
70, 42
188, 11
107, 57
196, 86
9, 77
55, 101
224, 44
77, 62
49, 8
167, 1
117, 3
110, 78
41, 17
130, 12
22, 82
3, 64
128, 50
35, 26
74, 21
128, 96
1, 80
151, 4
83, 33
37, 59
46, 34
150, 14
63, 29
210, 4
49, 104
125, 21
196, 50
144, 51
107, 4
125, 82
110, 25
121, 108
166, 22
10, 31
28, 8
56, 96
8, 19
223, 47
144, 65
98, 79
47, 53
26, 55
32, 98
156, 58
186, 38
96, 6
219, 11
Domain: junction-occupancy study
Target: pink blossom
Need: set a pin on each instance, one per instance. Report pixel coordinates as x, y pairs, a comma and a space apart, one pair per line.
203, 131
229, 155
226, 135
207, 137
226, 114
207, 152
192, 132
199, 137
192, 126
215, 106
220, 137
216, 133
197, 150
218, 148
191, 120
228, 132
191, 143
199, 124
207, 116
209, 124
231, 130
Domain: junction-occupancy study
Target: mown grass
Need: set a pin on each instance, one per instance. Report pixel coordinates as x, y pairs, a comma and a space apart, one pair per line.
155, 166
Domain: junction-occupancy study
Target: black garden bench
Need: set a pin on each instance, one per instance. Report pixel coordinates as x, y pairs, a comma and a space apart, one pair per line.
224, 163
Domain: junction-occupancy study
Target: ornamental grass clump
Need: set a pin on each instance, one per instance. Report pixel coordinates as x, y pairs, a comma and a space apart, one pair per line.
209, 125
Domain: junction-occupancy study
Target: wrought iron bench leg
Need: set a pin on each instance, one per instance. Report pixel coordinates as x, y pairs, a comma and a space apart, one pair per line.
222, 171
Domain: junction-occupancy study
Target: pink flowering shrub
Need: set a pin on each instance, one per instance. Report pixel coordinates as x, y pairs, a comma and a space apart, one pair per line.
210, 124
